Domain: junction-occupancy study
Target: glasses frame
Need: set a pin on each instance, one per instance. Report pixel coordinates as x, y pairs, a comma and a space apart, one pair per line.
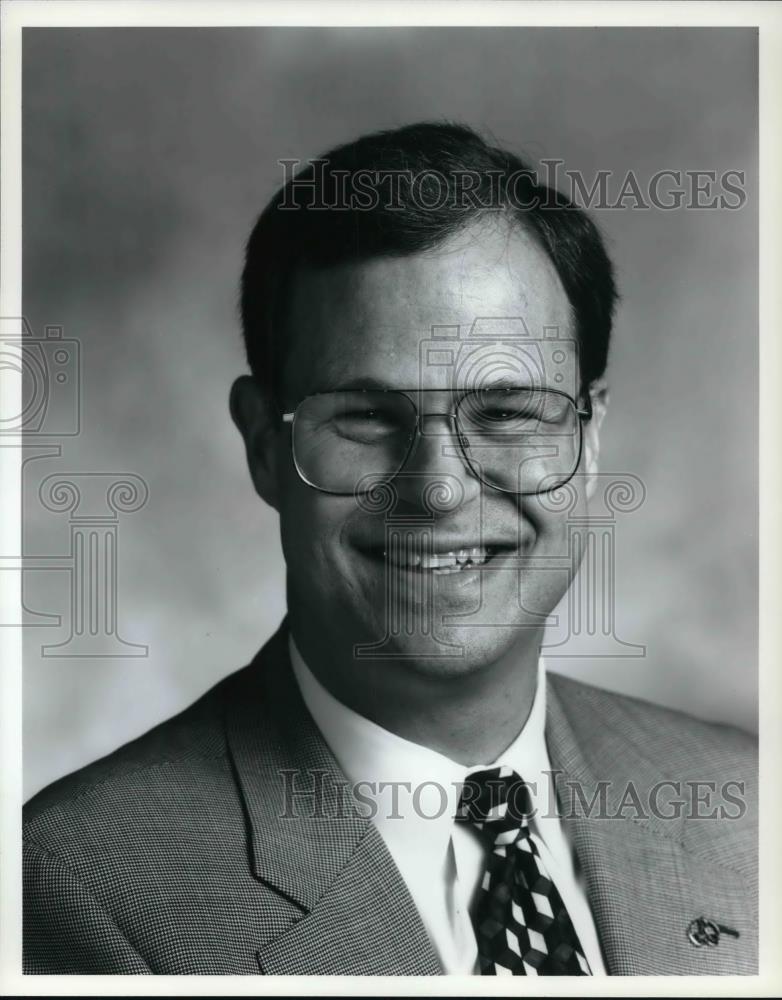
584, 415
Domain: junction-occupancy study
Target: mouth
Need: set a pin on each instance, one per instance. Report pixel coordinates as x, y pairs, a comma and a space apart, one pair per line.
418, 559
440, 563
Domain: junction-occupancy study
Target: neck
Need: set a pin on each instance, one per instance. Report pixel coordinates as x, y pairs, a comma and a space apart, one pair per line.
470, 717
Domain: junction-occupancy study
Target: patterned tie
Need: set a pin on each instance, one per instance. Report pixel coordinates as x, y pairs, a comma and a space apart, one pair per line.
521, 924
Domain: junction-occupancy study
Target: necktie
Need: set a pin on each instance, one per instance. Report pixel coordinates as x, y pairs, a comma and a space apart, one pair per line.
521, 924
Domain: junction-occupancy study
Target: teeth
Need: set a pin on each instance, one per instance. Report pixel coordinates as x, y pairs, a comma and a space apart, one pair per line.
443, 562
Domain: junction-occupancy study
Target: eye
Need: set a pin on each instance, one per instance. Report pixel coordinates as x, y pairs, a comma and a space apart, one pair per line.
361, 414
505, 413
366, 423
366, 416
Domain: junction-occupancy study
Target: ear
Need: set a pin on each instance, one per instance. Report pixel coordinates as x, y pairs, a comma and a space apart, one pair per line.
254, 415
598, 394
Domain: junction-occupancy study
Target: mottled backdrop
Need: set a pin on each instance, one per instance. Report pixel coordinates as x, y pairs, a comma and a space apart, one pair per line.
147, 154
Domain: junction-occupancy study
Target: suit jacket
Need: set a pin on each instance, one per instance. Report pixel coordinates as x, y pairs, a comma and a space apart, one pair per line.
183, 852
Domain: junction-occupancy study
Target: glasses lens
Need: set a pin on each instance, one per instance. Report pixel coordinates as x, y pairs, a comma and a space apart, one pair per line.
520, 440
341, 437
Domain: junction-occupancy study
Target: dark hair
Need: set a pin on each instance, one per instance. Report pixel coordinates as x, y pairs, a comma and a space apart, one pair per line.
418, 197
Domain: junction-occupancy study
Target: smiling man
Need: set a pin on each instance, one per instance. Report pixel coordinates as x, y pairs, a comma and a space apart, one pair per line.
395, 784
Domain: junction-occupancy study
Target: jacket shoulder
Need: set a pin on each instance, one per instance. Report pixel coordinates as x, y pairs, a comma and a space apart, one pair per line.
710, 768
667, 733
180, 750
139, 861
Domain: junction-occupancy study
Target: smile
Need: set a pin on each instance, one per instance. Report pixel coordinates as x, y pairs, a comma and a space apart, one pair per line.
453, 561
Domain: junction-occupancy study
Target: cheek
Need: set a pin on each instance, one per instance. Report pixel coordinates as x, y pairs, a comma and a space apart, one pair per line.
551, 518
311, 529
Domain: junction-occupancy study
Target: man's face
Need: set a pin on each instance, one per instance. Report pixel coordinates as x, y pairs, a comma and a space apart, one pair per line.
365, 323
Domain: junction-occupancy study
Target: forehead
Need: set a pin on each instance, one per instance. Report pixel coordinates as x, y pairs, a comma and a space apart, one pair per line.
489, 299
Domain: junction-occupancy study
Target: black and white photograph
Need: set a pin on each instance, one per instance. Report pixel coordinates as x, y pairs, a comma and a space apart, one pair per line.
387, 437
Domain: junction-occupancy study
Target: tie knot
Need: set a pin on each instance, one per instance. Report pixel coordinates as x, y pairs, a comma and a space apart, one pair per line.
495, 798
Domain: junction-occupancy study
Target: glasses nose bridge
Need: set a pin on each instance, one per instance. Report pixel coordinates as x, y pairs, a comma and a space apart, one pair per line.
422, 415
443, 405
429, 439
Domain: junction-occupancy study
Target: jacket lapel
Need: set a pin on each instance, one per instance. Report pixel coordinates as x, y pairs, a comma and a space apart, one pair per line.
644, 887
365, 924
309, 844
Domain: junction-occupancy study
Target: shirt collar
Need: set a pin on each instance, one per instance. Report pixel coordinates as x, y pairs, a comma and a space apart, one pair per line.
401, 780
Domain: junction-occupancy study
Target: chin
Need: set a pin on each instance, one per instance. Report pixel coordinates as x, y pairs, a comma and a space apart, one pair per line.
451, 651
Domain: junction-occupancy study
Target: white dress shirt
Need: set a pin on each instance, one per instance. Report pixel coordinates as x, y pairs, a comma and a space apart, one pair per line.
412, 794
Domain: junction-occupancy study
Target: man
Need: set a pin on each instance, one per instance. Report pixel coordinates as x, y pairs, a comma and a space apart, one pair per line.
395, 785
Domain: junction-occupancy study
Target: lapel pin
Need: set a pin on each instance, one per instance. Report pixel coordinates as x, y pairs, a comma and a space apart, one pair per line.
703, 931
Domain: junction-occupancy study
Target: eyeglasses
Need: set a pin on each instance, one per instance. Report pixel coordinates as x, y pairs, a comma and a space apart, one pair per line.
520, 440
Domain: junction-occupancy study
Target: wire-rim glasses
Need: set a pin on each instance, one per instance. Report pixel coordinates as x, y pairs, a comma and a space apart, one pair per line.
524, 440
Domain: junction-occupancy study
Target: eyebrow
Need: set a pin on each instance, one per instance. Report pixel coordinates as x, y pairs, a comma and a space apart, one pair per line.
362, 382
368, 382
506, 382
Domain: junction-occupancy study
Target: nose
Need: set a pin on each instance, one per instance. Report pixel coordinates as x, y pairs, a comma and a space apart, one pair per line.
436, 467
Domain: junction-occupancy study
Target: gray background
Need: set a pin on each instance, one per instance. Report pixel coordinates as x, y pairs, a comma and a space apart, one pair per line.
147, 155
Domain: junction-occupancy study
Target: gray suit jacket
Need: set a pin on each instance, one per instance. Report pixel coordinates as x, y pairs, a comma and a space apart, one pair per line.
173, 854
